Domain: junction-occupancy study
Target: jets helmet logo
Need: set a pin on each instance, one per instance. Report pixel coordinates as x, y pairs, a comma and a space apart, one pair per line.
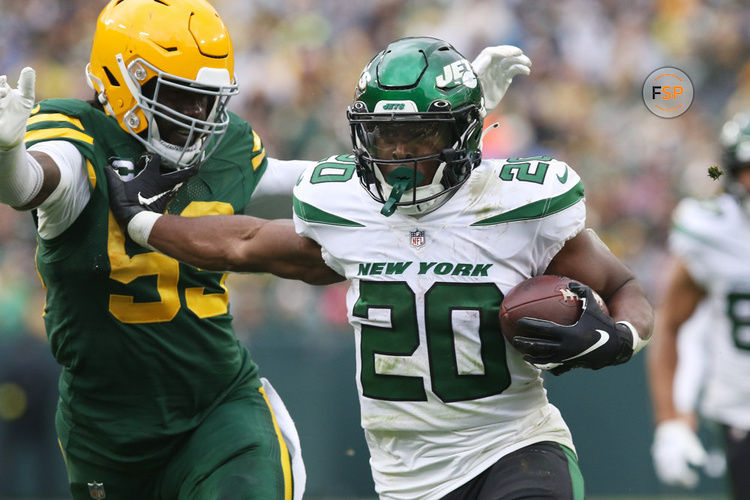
457, 73
364, 79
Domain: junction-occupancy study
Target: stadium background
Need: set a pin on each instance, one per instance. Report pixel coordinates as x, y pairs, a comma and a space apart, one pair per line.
297, 62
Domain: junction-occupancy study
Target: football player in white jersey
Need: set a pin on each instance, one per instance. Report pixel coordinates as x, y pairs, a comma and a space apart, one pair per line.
431, 237
710, 242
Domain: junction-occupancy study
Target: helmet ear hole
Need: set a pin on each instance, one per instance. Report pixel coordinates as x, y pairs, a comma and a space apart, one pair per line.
149, 88
439, 105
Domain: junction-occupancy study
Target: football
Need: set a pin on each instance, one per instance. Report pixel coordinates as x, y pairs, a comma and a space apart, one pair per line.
544, 297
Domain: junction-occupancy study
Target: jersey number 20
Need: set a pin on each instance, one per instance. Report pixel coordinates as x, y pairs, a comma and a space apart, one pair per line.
489, 375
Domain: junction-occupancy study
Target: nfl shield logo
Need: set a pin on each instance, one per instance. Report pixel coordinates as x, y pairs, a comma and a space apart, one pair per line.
96, 490
417, 238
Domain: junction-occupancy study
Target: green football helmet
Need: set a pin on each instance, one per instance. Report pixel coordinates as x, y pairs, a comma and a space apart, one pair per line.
735, 143
416, 124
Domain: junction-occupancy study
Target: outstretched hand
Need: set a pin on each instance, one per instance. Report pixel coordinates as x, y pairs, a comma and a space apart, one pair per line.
152, 189
594, 341
496, 67
15, 108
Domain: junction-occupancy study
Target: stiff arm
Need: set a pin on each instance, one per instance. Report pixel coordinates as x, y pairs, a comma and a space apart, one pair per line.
242, 243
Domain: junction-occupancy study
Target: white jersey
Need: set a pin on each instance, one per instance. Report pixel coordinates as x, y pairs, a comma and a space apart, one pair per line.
713, 240
443, 396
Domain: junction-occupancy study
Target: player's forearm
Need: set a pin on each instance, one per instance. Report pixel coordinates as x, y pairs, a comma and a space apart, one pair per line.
241, 243
213, 242
661, 362
629, 303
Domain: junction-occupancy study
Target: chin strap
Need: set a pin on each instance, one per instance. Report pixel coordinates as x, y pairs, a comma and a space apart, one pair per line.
401, 179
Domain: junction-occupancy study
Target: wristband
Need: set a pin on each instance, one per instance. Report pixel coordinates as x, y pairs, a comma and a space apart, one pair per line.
638, 342
139, 227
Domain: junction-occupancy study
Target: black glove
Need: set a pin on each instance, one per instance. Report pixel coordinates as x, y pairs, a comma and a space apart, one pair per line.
151, 189
593, 342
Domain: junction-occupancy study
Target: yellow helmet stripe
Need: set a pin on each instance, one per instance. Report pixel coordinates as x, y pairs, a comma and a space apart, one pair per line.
55, 117
58, 133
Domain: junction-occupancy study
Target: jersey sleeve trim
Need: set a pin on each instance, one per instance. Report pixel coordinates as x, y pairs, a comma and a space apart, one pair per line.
91, 173
309, 213
46, 126
259, 150
57, 133
677, 228
537, 209
55, 117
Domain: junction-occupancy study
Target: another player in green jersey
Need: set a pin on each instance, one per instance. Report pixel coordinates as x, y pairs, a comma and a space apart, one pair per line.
431, 237
158, 398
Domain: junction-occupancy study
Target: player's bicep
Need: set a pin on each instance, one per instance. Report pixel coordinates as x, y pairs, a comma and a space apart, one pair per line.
50, 180
280, 177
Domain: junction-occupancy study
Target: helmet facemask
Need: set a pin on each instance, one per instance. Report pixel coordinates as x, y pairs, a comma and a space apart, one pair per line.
413, 161
196, 138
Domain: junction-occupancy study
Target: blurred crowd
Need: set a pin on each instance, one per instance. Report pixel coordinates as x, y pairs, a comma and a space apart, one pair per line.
297, 62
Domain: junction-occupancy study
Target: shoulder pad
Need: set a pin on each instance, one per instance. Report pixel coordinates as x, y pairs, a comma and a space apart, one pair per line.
699, 220
526, 188
63, 119
329, 192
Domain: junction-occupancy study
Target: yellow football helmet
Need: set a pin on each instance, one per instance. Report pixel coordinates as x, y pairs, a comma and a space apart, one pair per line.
177, 45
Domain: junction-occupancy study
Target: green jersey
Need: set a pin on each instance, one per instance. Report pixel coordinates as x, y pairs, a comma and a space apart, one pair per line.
146, 343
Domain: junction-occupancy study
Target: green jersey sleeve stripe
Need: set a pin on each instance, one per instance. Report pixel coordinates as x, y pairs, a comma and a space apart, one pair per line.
537, 209
309, 213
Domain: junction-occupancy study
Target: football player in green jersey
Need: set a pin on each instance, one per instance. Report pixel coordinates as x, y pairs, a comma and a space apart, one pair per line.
158, 398
430, 237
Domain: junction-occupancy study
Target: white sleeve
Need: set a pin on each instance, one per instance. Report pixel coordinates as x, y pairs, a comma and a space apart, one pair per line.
281, 176
21, 176
63, 206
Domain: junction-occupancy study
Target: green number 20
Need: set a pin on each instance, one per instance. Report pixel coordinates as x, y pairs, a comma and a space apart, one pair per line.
401, 339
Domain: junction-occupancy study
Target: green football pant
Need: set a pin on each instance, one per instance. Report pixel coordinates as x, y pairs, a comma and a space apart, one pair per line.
237, 453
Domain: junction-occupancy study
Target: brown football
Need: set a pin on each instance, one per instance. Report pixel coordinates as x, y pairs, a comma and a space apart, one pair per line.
544, 297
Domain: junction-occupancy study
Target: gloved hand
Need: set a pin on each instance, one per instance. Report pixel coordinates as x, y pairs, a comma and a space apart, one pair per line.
676, 448
150, 190
15, 108
495, 67
594, 341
